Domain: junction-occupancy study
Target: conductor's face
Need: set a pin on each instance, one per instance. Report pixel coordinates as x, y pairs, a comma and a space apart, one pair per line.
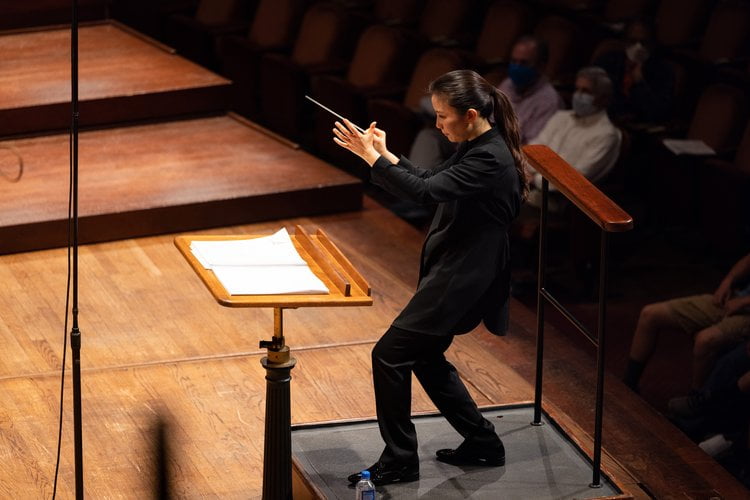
449, 121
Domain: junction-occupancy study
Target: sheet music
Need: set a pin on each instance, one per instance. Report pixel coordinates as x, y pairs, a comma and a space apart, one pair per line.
267, 265
688, 147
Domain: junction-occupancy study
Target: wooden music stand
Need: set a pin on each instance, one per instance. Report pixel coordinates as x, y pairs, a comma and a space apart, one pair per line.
347, 288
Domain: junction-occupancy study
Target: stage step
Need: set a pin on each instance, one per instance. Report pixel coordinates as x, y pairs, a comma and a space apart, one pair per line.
123, 75
162, 177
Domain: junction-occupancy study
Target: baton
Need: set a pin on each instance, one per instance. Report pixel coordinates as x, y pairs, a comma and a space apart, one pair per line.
360, 129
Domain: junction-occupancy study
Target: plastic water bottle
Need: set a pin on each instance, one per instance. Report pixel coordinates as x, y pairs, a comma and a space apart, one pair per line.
365, 488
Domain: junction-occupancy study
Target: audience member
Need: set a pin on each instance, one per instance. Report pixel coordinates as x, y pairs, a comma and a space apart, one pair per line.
717, 322
717, 415
533, 97
583, 136
643, 82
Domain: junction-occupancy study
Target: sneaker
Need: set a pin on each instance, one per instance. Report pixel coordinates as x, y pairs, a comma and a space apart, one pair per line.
693, 405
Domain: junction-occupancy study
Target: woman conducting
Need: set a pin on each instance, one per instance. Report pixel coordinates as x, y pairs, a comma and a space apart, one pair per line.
464, 275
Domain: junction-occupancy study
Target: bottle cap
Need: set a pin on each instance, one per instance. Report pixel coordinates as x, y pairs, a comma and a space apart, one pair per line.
365, 474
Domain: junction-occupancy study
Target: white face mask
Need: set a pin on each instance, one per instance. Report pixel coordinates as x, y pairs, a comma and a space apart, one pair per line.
583, 104
637, 53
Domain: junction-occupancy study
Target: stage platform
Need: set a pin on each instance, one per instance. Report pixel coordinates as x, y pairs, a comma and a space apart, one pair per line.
163, 177
123, 76
155, 343
541, 462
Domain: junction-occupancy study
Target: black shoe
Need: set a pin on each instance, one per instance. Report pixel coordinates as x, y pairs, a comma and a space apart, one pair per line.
381, 474
472, 455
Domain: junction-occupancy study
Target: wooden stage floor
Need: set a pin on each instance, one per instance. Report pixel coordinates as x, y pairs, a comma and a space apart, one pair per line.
163, 177
123, 76
155, 342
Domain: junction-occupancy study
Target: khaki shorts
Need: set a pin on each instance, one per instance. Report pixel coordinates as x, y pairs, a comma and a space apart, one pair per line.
697, 312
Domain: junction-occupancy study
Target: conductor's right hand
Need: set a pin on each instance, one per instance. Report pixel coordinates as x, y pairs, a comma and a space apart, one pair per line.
368, 145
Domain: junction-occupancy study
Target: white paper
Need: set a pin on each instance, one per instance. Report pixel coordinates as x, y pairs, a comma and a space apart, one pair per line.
688, 147
269, 265
269, 280
274, 250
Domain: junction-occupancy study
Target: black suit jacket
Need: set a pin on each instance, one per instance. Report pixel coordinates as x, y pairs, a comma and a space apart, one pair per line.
464, 275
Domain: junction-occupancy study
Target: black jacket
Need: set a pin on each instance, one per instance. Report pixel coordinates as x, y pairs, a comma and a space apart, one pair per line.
464, 275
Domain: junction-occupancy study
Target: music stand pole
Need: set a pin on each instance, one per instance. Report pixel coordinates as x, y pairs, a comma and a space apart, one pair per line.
75, 333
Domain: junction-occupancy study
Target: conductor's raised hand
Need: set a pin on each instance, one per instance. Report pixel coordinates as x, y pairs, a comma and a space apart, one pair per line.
361, 144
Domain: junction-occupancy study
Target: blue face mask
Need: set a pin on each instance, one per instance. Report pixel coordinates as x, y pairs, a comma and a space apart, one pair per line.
521, 76
583, 104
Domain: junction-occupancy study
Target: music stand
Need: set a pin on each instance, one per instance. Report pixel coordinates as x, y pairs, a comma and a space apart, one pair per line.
347, 287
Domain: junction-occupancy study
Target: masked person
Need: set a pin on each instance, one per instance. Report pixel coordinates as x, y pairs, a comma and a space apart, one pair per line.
532, 96
643, 83
583, 136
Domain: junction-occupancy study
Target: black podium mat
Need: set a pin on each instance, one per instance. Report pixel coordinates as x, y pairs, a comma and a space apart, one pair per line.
541, 463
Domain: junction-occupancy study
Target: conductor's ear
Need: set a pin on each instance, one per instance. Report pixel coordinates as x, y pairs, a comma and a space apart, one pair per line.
471, 114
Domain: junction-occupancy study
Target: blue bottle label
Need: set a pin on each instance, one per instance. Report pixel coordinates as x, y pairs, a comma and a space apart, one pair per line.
368, 495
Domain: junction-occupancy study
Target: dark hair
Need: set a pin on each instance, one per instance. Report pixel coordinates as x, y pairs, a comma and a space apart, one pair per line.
465, 89
541, 46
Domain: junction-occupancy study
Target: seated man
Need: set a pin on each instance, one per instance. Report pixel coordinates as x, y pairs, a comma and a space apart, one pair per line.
533, 97
583, 136
717, 323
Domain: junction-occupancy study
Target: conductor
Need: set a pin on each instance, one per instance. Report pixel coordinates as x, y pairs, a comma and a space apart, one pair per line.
464, 275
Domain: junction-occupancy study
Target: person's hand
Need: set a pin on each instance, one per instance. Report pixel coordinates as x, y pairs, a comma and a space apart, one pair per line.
722, 294
736, 305
379, 140
361, 144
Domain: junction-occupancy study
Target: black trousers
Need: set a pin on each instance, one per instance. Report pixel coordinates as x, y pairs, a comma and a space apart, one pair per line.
397, 354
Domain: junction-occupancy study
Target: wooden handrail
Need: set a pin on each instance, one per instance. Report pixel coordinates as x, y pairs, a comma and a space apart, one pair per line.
575, 187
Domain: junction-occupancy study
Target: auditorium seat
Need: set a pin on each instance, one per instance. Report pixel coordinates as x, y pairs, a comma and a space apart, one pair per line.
381, 65
273, 28
565, 54
324, 45
194, 36
726, 37
504, 23
621, 11
679, 23
445, 22
718, 120
150, 16
725, 201
402, 119
398, 12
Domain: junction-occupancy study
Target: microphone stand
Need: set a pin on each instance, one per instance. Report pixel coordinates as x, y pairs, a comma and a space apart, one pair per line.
75, 333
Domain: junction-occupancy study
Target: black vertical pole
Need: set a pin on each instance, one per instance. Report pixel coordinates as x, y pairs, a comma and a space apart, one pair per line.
541, 278
75, 334
603, 275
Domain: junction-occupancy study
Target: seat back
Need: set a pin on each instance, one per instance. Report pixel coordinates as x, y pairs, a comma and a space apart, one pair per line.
275, 22
560, 35
430, 65
379, 58
623, 10
444, 19
396, 12
679, 22
319, 37
718, 117
218, 12
504, 23
726, 36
